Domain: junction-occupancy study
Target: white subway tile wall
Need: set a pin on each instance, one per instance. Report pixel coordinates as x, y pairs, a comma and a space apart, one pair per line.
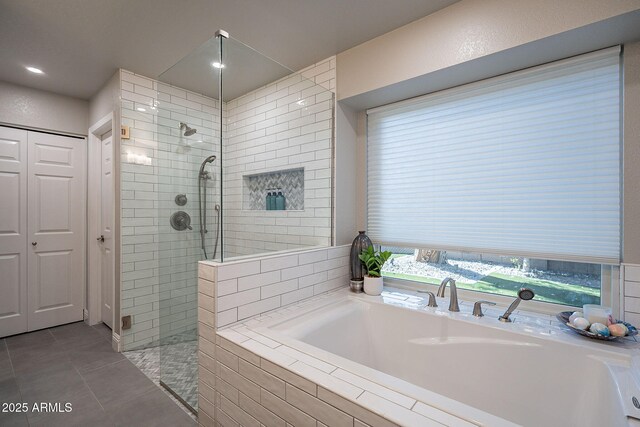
159, 279
249, 287
631, 297
284, 125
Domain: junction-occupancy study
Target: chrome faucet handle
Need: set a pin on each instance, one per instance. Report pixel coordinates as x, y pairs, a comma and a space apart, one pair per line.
477, 307
432, 298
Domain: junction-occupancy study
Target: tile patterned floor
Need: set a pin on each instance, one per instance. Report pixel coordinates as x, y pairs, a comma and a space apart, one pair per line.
75, 364
175, 362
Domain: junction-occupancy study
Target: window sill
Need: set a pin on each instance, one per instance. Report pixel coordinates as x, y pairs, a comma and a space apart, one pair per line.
473, 296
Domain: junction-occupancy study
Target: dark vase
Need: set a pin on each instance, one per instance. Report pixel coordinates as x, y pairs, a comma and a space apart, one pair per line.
360, 243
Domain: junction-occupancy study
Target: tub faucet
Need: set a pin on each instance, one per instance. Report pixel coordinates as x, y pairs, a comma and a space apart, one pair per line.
453, 300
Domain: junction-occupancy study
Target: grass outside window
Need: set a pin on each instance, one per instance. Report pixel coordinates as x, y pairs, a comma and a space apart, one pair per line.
559, 287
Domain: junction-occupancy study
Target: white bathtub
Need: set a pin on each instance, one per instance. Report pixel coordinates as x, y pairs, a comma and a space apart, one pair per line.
511, 372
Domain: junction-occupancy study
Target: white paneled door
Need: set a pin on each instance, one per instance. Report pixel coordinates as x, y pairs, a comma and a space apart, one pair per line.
13, 231
56, 229
106, 230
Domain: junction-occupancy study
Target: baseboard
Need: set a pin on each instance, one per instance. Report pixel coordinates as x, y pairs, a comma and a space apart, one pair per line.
116, 343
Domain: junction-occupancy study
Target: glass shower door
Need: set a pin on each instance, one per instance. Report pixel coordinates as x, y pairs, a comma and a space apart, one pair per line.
188, 136
232, 126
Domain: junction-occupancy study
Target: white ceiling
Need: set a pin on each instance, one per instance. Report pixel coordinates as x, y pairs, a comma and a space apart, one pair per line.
80, 43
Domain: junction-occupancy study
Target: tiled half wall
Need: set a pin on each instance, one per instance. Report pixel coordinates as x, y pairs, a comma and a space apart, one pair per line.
246, 288
238, 387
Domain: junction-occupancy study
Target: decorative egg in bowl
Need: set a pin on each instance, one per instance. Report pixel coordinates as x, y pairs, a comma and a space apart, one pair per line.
614, 330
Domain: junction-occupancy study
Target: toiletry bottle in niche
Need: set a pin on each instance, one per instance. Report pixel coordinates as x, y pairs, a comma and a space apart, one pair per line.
269, 198
280, 201
272, 201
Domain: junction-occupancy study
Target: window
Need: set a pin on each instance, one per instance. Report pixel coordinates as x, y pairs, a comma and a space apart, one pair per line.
525, 166
557, 282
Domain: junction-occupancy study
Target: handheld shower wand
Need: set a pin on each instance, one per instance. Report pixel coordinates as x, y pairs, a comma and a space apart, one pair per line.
524, 294
203, 177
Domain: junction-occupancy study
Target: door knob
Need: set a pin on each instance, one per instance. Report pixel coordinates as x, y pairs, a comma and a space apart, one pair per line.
100, 239
34, 243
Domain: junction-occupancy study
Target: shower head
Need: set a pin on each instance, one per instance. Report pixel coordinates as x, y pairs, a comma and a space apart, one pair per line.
188, 131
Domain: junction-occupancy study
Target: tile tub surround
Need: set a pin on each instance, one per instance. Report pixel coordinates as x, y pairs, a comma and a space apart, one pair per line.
631, 293
255, 364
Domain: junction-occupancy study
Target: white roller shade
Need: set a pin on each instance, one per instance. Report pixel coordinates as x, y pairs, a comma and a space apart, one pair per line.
523, 164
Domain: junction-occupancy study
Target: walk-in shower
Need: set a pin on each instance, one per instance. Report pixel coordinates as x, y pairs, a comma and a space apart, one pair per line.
230, 124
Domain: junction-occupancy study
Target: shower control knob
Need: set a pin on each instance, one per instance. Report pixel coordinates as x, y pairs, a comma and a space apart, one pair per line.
34, 244
180, 221
100, 239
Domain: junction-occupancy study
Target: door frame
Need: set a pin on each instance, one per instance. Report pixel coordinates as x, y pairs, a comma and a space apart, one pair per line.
94, 194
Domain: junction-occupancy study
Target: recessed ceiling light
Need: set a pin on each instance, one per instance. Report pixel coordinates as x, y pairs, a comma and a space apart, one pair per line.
217, 65
141, 109
35, 70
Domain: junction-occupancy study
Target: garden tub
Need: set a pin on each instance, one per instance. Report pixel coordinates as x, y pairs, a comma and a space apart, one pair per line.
477, 369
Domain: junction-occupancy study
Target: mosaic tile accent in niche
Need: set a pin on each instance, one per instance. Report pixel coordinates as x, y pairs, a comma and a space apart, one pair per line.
291, 182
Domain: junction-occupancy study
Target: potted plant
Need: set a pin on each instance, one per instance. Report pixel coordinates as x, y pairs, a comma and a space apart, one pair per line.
373, 261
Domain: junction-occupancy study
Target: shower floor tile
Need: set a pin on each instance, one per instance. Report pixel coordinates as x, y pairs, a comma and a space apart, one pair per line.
174, 362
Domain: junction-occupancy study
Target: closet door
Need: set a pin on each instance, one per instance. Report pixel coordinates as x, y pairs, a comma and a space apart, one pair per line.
56, 227
13, 231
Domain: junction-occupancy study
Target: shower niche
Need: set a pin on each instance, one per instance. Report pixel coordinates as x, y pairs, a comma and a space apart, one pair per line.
258, 186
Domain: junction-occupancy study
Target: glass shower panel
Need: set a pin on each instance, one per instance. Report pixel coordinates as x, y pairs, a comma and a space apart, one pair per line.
277, 145
244, 161
188, 137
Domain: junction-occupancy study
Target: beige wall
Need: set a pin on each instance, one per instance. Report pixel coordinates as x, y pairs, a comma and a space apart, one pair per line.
106, 100
103, 102
345, 173
465, 31
37, 109
459, 42
631, 176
